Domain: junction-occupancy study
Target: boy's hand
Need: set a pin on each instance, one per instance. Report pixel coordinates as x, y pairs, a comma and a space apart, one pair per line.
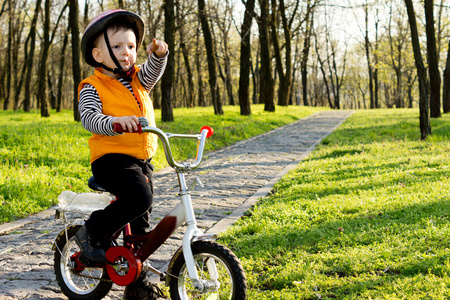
158, 47
128, 123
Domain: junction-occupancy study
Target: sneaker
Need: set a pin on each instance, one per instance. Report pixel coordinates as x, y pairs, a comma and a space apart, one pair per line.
91, 249
142, 289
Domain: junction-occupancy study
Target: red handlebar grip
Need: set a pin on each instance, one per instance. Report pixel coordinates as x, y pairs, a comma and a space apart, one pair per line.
118, 128
210, 131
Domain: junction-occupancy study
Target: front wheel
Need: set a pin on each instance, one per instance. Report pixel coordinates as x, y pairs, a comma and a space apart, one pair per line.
78, 283
218, 269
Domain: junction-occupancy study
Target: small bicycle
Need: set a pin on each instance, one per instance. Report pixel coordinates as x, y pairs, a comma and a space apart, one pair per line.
200, 269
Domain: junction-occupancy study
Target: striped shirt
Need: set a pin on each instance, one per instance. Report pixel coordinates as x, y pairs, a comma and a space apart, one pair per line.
91, 108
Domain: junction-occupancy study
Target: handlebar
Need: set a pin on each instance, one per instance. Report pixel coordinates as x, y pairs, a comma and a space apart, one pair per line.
205, 132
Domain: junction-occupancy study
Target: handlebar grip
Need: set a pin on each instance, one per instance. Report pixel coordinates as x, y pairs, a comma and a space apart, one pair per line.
210, 131
118, 128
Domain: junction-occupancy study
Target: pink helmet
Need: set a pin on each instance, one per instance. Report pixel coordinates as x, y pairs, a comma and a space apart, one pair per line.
101, 22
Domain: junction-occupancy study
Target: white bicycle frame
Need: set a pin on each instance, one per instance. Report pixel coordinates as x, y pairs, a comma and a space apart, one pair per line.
184, 211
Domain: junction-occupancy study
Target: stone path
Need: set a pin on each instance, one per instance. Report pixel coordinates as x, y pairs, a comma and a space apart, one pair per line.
235, 178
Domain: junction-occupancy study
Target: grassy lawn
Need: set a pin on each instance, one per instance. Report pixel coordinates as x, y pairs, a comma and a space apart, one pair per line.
366, 216
40, 157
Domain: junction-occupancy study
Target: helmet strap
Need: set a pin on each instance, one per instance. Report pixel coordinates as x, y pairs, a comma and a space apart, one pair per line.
118, 70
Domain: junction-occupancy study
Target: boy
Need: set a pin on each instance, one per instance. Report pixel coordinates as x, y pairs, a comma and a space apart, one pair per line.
118, 94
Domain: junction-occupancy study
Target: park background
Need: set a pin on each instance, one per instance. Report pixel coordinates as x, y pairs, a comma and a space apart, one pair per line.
339, 54
365, 216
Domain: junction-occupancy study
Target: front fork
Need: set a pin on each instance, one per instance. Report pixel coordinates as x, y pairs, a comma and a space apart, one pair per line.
192, 233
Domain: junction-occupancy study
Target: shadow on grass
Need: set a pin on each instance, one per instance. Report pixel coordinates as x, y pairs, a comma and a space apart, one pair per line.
418, 251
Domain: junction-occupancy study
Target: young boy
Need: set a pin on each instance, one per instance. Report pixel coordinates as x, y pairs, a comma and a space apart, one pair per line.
118, 93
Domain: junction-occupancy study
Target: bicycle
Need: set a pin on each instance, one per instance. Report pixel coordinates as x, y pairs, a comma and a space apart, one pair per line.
200, 269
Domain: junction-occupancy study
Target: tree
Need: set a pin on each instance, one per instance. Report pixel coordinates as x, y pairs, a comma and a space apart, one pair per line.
167, 79
8, 57
42, 84
309, 21
284, 74
30, 60
367, 46
181, 16
245, 63
61, 69
446, 88
222, 18
76, 59
425, 126
211, 57
396, 46
266, 90
433, 64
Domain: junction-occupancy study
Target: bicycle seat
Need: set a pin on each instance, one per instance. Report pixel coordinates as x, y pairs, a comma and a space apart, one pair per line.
93, 185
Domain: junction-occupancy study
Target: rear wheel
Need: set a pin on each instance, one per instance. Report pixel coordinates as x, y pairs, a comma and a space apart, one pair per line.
219, 270
77, 283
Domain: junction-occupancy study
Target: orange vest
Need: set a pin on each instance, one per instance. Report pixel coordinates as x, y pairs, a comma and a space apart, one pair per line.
117, 101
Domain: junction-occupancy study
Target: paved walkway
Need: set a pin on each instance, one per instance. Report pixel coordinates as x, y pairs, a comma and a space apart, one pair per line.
235, 178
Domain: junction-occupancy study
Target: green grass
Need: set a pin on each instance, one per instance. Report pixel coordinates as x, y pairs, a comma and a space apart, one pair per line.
365, 216
40, 157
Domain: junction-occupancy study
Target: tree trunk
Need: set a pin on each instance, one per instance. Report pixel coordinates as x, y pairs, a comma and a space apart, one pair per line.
433, 64
211, 58
61, 71
228, 79
76, 64
375, 71
51, 94
42, 85
167, 79
8, 57
305, 53
191, 96
446, 88
22, 74
324, 75
266, 90
369, 63
424, 116
15, 57
245, 63
201, 96
285, 75
27, 100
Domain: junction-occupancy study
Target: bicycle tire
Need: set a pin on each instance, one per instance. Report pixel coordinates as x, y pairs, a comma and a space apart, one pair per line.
73, 286
231, 285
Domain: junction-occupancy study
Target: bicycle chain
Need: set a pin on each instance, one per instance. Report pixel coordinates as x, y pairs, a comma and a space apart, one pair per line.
90, 277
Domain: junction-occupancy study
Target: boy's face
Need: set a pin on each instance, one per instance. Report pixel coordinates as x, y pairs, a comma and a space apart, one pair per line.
123, 45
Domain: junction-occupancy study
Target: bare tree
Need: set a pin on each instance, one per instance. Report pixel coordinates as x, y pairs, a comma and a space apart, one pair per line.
309, 22
181, 16
42, 90
433, 63
223, 19
397, 45
211, 57
266, 82
446, 88
283, 73
76, 59
425, 126
244, 80
9, 55
62, 61
167, 79
367, 47
323, 72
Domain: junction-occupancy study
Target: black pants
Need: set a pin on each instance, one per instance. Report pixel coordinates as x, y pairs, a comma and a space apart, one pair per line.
126, 178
